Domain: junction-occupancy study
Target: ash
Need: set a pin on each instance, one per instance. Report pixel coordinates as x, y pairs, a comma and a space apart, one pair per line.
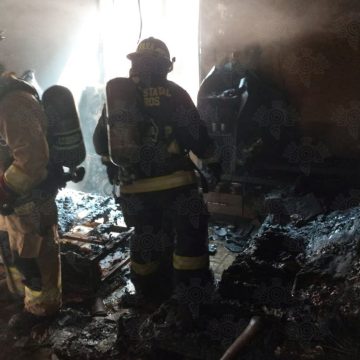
301, 277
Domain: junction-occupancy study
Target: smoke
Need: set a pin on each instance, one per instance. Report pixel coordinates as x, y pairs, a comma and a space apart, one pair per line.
268, 22
306, 46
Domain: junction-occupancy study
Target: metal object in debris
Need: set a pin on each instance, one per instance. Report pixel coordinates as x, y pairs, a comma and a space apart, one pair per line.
233, 246
221, 203
212, 249
244, 339
98, 308
220, 231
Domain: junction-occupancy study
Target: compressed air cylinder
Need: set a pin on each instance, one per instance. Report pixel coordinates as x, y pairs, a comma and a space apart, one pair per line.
124, 121
65, 138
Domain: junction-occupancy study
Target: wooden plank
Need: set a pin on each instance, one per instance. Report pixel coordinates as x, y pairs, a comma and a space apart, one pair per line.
83, 238
223, 203
116, 267
228, 204
114, 245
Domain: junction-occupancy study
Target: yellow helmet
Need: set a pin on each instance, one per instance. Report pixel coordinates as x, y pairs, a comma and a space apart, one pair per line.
153, 47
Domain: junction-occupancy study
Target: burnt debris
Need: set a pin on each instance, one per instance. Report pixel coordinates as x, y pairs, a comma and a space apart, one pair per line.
298, 273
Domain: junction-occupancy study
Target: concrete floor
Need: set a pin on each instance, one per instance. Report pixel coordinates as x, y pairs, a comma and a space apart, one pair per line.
221, 260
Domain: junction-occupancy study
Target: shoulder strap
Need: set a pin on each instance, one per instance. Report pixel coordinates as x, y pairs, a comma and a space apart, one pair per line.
11, 83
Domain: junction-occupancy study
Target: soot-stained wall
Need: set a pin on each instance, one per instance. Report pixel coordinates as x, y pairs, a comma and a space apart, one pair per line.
310, 48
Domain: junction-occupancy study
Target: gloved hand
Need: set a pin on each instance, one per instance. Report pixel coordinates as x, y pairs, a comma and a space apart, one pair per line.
7, 198
111, 170
112, 173
215, 170
213, 173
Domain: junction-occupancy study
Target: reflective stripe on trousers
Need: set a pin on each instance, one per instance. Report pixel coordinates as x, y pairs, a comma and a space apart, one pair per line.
40, 303
191, 262
160, 183
179, 263
14, 281
144, 269
48, 300
43, 302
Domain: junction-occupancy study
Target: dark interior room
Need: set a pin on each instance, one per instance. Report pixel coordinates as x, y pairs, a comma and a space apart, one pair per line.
180, 180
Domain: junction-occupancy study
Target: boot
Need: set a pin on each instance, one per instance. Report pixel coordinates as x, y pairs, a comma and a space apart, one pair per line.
6, 295
22, 323
150, 291
132, 300
138, 300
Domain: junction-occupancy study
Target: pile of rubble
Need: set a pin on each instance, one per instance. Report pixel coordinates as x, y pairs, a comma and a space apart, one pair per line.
296, 279
301, 279
94, 256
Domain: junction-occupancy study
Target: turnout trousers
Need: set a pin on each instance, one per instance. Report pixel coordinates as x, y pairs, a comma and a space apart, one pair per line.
170, 244
31, 234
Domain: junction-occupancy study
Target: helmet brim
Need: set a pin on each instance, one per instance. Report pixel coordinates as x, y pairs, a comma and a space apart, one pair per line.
132, 55
144, 55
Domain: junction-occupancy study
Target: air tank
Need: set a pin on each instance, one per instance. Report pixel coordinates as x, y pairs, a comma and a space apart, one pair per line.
123, 121
65, 138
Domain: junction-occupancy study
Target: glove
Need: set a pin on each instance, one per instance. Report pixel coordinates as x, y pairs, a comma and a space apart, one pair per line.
75, 176
7, 198
213, 173
112, 173
215, 170
111, 170
54, 181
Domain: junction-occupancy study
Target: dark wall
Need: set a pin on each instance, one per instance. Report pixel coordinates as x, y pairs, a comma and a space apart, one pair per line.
310, 48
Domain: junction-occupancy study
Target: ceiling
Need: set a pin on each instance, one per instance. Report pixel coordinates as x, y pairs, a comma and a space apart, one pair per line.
40, 35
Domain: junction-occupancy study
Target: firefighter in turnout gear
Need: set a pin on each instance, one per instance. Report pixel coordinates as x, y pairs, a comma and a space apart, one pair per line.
28, 220
148, 142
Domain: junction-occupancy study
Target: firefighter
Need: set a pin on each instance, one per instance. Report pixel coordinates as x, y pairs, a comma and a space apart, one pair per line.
28, 214
159, 195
